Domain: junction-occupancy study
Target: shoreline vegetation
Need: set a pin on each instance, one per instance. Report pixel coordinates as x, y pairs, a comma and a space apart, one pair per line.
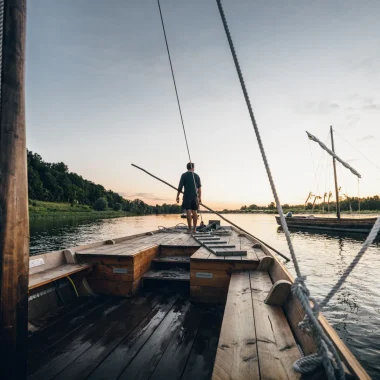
41, 209
54, 192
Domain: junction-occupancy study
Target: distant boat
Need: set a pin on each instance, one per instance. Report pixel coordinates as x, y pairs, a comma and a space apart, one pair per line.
334, 224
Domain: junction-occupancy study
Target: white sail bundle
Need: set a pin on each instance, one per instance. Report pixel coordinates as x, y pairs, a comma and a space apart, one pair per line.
331, 153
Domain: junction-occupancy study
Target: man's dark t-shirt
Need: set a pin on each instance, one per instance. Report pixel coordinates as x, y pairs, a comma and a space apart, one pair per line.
187, 181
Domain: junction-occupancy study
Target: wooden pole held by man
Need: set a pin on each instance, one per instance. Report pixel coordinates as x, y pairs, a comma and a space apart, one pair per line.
14, 220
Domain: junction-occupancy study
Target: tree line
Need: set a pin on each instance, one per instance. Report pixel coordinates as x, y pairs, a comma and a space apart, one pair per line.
53, 182
345, 204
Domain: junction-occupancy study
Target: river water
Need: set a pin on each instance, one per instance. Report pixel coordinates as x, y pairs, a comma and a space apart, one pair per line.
354, 311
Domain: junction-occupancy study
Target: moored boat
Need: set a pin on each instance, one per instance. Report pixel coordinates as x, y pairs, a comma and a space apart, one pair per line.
357, 224
330, 224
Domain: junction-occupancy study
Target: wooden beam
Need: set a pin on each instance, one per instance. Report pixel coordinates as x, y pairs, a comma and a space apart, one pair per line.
14, 218
236, 356
278, 293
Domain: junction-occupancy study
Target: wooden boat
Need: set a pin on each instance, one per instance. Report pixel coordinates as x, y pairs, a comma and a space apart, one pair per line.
331, 224
98, 311
161, 305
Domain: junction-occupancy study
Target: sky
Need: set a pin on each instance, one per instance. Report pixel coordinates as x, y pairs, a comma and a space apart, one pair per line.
99, 95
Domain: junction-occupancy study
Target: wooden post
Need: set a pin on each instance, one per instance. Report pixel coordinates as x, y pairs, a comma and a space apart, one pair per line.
335, 179
14, 218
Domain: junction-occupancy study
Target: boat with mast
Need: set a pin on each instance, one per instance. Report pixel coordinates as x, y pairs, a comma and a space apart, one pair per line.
114, 309
332, 224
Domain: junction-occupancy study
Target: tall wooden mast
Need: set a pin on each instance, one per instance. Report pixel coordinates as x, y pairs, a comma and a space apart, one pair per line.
14, 221
335, 178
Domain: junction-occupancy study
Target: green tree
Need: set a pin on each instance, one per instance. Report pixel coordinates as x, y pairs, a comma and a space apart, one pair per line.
117, 206
100, 204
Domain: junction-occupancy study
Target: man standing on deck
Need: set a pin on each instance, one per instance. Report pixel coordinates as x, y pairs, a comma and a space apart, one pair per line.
192, 195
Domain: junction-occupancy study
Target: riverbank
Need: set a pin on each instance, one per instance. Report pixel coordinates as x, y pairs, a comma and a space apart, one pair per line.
40, 210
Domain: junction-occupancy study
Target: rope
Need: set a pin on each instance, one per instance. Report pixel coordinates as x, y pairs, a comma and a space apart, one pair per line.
72, 283
370, 238
352, 146
177, 96
254, 124
324, 345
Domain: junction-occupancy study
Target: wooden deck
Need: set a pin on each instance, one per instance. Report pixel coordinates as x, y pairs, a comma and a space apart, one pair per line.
261, 345
120, 268
152, 336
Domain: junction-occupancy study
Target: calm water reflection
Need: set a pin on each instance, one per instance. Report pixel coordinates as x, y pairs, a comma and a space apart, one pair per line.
354, 312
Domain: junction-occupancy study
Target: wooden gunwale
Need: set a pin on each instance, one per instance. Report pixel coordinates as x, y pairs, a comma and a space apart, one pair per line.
294, 314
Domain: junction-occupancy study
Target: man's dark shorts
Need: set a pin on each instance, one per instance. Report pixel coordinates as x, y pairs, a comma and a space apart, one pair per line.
190, 204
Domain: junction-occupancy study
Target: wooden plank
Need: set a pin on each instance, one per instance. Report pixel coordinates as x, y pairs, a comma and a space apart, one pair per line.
201, 254
236, 356
62, 358
43, 343
123, 354
50, 260
175, 250
84, 364
54, 274
276, 346
171, 275
173, 361
295, 314
202, 356
228, 252
218, 279
118, 272
220, 246
129, 249
208, 294
227, 264
172, 259
114, 288
143, 365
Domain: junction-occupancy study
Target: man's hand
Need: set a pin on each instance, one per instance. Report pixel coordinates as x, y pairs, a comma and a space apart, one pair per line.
199, 200
177, 199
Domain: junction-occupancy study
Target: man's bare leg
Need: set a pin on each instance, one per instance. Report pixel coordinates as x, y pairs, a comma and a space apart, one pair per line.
195, 220
188, 216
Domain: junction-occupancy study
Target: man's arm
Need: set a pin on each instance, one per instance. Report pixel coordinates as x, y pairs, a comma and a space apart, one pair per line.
200, 195
180, 187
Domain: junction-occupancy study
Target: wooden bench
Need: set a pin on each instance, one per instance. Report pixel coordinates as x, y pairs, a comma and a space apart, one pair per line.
255, 340
54, 274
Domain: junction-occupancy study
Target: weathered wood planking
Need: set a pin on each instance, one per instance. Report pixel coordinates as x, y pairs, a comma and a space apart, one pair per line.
57, 273
115, 288
236, 357
166, 275
119, 273
208, 294
295, 314
277, 349
216, 278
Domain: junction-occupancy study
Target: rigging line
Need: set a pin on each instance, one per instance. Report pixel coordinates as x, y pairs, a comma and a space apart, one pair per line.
176, 93
174, 82
319, 163
258, 137
299, 288
352, 146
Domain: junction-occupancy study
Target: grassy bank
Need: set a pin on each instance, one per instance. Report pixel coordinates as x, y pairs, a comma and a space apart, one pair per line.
39, 209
